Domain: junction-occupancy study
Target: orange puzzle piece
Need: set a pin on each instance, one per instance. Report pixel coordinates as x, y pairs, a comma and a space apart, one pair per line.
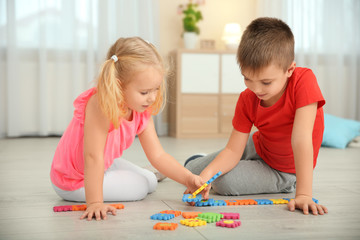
176, 213
190, 214
165, 226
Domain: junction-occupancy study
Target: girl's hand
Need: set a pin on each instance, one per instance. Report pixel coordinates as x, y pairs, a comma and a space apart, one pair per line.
193, 183
306, 203
98, 210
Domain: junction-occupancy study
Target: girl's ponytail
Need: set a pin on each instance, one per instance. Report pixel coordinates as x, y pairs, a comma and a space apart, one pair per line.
109, 91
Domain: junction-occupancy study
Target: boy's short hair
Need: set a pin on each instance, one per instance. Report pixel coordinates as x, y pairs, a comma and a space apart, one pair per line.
266, 41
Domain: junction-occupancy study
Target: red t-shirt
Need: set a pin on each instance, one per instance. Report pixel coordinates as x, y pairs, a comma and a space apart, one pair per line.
275, 123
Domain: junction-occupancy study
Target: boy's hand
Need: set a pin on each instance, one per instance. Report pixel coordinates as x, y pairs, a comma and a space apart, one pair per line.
98, 210
306, 204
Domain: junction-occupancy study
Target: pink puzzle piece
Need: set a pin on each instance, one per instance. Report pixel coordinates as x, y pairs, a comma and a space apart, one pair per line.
230, 215
228, 223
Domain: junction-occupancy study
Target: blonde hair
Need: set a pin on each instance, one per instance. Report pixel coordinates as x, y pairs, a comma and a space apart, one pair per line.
133, 54
265, 41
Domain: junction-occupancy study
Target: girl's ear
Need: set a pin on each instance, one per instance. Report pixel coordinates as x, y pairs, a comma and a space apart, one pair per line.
291, 69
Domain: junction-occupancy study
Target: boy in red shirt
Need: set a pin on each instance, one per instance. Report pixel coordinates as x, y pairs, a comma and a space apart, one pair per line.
284, 103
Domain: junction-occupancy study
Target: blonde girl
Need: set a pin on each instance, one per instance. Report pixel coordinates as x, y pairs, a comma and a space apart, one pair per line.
87, 164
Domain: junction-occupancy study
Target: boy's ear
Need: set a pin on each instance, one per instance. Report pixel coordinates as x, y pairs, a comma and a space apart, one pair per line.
291, 69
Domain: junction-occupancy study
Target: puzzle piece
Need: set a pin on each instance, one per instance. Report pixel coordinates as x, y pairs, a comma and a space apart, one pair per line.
228, 223
200, 189
176, 213
191, 198
207, 183
79, 207
219, 203
192, 222
214, 177
232, 202
247, 202
162, 216
64, 208
210, 217
263, 201
117, 205
230, 215
190, 214
205, 202
279, 201
165, 226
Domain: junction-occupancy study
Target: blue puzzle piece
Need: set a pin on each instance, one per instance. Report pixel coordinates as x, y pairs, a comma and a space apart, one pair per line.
219, 203
214, 177
162, 216
264, 201
205, 202
191, 198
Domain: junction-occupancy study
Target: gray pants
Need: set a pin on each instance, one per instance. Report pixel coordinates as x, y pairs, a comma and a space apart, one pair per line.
250, 176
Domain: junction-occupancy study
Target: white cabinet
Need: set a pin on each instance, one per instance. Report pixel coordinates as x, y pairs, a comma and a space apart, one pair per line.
203, 93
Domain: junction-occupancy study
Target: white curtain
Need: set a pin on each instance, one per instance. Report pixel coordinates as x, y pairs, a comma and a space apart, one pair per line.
51, 50
327, 40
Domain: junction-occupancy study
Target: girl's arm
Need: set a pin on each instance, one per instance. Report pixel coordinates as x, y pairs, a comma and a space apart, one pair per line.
95, 133
302, 145
164, 162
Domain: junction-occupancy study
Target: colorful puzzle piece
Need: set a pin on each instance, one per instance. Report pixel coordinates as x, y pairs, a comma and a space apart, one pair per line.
279, 201
230, 215
219, 203
210, 217
192, 222
176, 213
162, 216
200, 189
247, 202
117, 205
263, 201
64, 208
228, 223
165, 226
190, 214
206, 184
214, 177
205, 202
232, 202
191, 198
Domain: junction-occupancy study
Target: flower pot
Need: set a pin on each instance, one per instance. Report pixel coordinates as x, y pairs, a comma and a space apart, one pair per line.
190, 40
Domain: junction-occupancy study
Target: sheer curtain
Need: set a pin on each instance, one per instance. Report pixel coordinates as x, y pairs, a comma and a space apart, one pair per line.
51, 50
327, 40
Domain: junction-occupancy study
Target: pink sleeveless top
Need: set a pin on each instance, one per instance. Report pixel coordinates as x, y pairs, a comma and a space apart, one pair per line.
67, 169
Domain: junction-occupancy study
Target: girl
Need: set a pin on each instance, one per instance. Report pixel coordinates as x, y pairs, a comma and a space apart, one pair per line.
87, 164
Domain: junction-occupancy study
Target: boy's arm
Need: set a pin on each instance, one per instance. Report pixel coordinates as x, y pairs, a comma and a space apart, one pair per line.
164, 162
302, 145
228, 158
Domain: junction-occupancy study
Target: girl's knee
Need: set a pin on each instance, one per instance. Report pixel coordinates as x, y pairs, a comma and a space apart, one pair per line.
125, 186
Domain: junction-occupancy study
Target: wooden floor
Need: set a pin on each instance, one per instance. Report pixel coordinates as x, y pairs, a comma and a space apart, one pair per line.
27, 198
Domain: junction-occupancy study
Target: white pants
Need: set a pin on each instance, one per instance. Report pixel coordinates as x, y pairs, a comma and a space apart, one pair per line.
123, 181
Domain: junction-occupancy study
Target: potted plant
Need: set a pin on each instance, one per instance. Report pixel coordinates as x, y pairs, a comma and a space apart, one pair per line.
190, 23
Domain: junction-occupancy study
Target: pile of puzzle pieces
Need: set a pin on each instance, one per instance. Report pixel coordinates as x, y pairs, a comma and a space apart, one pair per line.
199, 202
195, 219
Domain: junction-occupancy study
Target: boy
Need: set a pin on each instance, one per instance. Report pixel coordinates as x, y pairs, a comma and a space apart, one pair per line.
285, 103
